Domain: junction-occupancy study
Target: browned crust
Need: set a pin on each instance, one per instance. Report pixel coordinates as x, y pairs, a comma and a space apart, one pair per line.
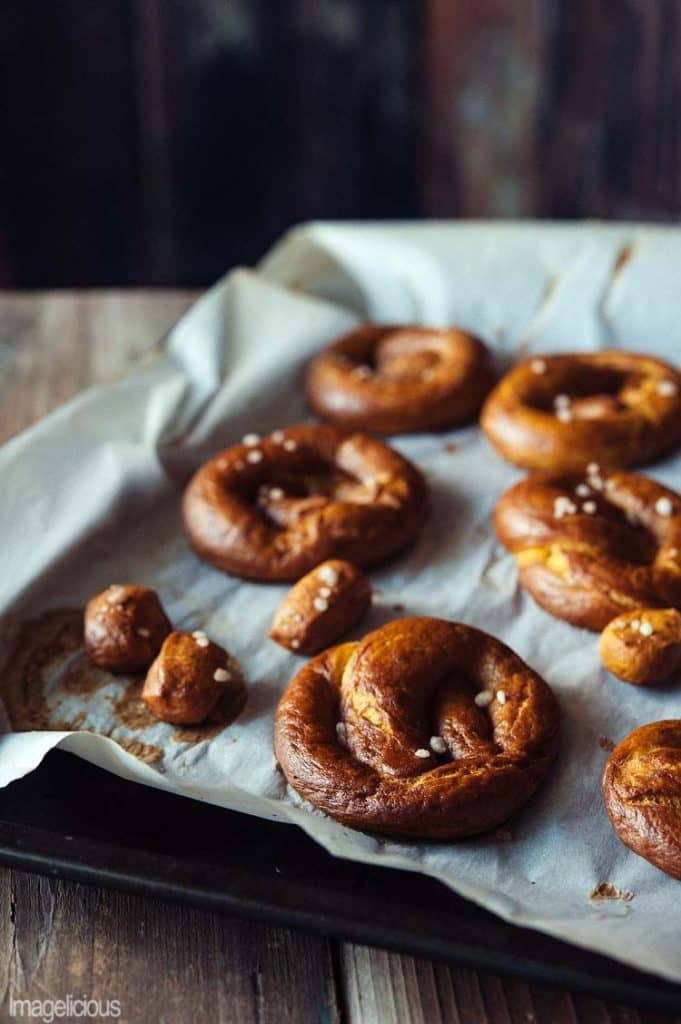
390, 691
590, 568
124, 628
638, 656
324, 605
642, 793
362, 502
618, 416
421, 379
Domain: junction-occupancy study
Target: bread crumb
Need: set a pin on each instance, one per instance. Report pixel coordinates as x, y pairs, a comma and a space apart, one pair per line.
608, 891
605, 744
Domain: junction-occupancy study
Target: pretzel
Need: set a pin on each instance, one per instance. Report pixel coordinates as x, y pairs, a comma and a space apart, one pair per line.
642, 792
557, 413
353, 731
273, 509
321, 607
399, 380
124, 628
643, 647
592, 546
189, 677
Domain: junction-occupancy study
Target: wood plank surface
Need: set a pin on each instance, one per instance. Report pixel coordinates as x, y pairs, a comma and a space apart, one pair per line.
174, 964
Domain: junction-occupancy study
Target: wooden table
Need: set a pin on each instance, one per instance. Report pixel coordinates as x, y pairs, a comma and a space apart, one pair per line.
171, 963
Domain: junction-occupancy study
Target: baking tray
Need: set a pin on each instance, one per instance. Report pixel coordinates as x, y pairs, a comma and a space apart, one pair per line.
126, 836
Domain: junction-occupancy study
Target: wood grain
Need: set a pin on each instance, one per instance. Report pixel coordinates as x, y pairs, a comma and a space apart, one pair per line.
171, 963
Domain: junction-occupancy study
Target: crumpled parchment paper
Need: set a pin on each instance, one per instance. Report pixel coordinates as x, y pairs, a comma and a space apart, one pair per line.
91, 496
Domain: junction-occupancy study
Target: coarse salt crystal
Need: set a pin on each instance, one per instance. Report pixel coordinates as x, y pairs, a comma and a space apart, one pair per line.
199, 634
325, 591
561, 401
646, 628
583, 490
342, 732
422, 752
254, 456
142, 631
538, 366
328, 574
664, 506
589, 507
320, 604
501, 697
564, 415
673, 553
276, 493
563, 506
593, 469
635, 625
277, 436
667, 388
362, 372
438, 745
250, 440
484, 698
295, 644
221, 675
202, 641
290, 445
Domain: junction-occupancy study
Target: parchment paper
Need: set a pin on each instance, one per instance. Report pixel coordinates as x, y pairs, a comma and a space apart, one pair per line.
90, 497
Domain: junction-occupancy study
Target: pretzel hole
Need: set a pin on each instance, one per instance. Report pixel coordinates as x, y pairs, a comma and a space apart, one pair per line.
593, 391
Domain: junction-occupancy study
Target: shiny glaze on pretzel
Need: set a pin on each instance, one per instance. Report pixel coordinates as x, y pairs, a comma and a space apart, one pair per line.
353, 731
557, 413
642, 792
398, 380
274, 508
594, 545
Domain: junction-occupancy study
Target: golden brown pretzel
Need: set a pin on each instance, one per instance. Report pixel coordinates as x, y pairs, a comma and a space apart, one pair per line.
642, 792
592, 546
398, 380
274, 508
124, 628
353, 730
643, 647
557, 413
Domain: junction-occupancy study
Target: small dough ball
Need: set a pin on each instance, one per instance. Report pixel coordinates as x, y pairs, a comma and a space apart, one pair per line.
125, 626
322, 606
187, 679
643, 647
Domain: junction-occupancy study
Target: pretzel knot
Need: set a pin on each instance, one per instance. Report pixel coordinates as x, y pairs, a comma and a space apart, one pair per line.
642, 791
559, 412
592, 546
274, 508
423, 728
396, 380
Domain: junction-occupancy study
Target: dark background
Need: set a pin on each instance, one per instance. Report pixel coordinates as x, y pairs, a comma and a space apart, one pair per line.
160, 141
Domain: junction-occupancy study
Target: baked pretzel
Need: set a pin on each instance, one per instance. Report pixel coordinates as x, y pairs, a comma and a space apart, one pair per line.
592, 546
642, 791
557, 413
398, 380
124, 628
274, 508
353, 730
643, 647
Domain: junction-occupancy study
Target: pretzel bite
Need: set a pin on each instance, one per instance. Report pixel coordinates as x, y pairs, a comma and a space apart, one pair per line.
188, 678
557, 413
424, 728
643, 647
642, 792
321, 607
399, 380
591, 546
124, 628
274, 508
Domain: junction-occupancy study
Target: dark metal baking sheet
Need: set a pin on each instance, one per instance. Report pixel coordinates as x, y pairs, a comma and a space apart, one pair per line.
73, 820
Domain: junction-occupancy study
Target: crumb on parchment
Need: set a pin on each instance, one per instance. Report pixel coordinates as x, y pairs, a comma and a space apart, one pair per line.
609, 891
